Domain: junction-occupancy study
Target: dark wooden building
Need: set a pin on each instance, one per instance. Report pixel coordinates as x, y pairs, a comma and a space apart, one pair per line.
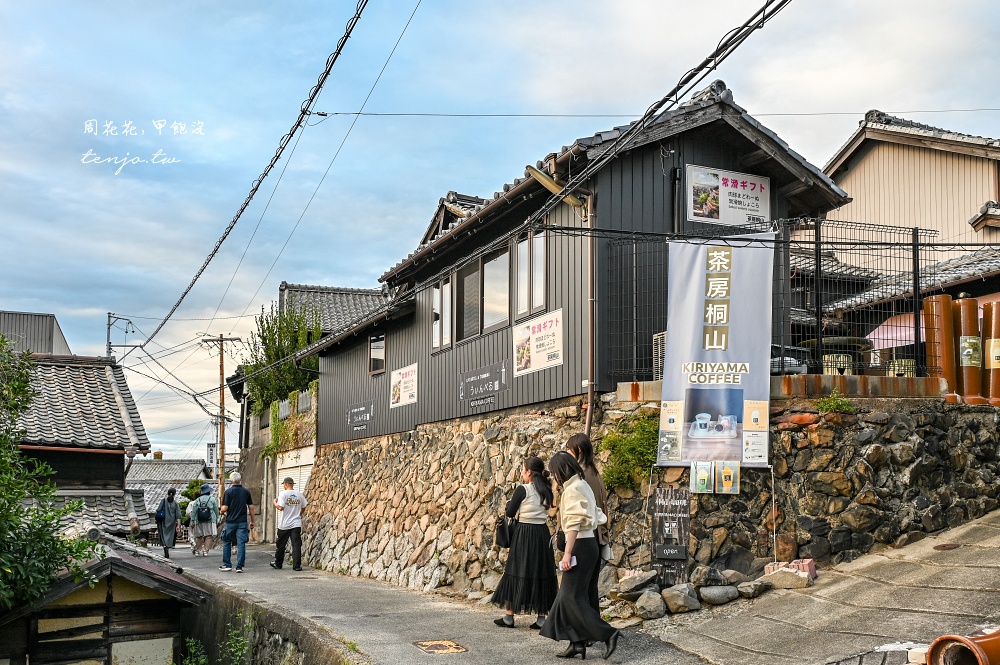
132, 614
476, 295
84, 423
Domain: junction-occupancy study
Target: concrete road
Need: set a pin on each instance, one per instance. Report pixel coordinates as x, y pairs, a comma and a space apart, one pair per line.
385, 621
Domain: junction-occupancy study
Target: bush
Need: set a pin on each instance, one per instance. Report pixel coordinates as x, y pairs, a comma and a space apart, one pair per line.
835, 403
632, 447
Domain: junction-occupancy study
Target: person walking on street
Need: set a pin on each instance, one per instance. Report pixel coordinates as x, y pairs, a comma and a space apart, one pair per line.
289, 504
237, 506
203, 513
529, 576
580, 447
168, 521
572, 617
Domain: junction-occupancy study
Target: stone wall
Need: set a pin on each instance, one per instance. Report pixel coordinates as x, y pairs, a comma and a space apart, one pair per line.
418, 508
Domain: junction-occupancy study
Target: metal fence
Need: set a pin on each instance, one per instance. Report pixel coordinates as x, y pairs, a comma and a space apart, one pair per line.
846, 298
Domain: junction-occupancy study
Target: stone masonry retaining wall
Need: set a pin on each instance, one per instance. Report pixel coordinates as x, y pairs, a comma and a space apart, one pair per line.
417, 509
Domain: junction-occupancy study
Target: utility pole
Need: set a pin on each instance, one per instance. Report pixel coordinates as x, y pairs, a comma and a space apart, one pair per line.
222, 407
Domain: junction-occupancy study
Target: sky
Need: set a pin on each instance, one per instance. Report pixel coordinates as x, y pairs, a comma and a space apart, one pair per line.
131, 133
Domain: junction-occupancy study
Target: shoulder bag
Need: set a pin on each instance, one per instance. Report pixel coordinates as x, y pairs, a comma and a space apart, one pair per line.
505, 531
161, 512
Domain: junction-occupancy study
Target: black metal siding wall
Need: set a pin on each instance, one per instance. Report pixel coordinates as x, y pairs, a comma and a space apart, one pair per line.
344, 378
636, 193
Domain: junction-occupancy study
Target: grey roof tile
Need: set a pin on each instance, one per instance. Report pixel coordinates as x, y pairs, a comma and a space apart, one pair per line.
336, 306
82, 402
109, 512
153, 470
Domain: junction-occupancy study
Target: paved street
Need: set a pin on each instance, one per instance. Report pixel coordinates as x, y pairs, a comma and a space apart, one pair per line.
385, 621
948, 583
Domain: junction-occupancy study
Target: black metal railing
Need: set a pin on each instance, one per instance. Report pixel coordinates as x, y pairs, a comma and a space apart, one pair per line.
846, 297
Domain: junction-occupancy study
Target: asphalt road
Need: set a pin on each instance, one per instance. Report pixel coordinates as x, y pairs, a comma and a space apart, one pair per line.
387, 622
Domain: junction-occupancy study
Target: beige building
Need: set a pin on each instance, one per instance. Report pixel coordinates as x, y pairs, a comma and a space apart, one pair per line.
902, 173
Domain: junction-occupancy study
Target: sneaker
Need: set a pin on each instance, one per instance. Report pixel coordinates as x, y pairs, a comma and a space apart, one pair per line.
239, 570
274, 565
224, 567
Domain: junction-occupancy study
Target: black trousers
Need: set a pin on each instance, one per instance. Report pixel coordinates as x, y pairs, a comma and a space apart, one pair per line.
572, 616
295, 533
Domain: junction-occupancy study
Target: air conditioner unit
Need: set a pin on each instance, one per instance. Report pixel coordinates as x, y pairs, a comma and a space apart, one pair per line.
659, 347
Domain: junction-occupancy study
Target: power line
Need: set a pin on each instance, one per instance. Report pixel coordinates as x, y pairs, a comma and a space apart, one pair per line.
373, 114
304, 111
156, 318
335, 155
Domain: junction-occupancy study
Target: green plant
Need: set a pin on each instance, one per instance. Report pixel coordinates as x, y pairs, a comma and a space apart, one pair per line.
632, 448
279, 334
195, 653
32, 550
835, 403
237, 647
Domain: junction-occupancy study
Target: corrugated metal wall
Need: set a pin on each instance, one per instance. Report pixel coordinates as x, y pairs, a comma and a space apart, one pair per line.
344, 378
38, 333
902, 185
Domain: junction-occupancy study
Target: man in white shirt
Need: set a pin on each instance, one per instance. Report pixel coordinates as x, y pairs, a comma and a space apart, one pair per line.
289, 504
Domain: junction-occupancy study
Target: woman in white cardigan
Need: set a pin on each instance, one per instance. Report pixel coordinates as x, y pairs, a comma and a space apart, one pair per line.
572, 617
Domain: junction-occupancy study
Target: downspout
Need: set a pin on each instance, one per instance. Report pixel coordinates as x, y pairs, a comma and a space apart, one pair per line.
591, 313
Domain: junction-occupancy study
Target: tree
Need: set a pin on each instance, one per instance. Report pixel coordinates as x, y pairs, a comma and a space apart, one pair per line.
280, 334
32, 550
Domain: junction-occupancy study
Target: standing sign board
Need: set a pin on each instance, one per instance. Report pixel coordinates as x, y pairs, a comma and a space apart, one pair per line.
671, 509
716, 366
726, 197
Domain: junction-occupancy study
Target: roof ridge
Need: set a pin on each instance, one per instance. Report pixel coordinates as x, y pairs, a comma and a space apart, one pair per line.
329, 289
875, 116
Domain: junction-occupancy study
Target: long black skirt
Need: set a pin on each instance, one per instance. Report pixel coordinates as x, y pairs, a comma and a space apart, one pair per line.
529, 578
572, 617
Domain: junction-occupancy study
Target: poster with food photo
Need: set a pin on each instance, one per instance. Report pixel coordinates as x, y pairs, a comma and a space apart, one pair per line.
538, 343
403, 386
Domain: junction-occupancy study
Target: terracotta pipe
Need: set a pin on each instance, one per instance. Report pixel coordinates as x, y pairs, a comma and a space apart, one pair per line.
991, 351
985, 331
962, 650
940, 343
970, 353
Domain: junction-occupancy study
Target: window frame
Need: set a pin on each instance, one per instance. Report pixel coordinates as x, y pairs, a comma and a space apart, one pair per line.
532, 261
443, 304
371, 339
483, 329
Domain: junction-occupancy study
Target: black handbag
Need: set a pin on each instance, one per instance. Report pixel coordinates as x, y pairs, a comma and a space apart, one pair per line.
505, 531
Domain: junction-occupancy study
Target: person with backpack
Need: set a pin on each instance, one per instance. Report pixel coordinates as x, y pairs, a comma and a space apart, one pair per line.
204, 514
168, 521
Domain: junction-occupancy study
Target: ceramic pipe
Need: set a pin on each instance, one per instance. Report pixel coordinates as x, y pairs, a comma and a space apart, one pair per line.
940, 342
969, 349
955, 649
991, 352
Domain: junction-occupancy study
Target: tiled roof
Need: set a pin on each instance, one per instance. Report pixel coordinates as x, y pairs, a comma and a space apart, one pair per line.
804, 264
879, 120
716, 93
175, 470
979, 264
82, 402
156, 492
336, 306
110, 511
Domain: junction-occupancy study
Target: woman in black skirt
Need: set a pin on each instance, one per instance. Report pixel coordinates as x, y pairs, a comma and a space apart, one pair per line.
572, 617
529, 578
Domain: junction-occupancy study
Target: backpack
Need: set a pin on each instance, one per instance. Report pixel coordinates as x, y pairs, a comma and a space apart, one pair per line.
204, 513
161, 512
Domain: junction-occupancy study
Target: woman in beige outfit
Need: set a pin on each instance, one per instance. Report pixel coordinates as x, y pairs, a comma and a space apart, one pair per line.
582, 450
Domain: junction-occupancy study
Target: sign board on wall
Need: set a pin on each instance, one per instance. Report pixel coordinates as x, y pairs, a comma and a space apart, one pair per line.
360, 415
403, 386
726, 197
671, 512
716, 365
480, 386
538, 343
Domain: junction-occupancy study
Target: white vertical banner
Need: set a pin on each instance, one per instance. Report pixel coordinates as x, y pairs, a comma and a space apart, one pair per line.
716, 366
212, 457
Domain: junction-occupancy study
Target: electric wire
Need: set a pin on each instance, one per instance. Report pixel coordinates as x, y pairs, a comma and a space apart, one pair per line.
334, 159
304, 111
374, 114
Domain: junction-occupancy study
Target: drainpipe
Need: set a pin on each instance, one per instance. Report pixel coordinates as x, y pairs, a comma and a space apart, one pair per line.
591, 313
